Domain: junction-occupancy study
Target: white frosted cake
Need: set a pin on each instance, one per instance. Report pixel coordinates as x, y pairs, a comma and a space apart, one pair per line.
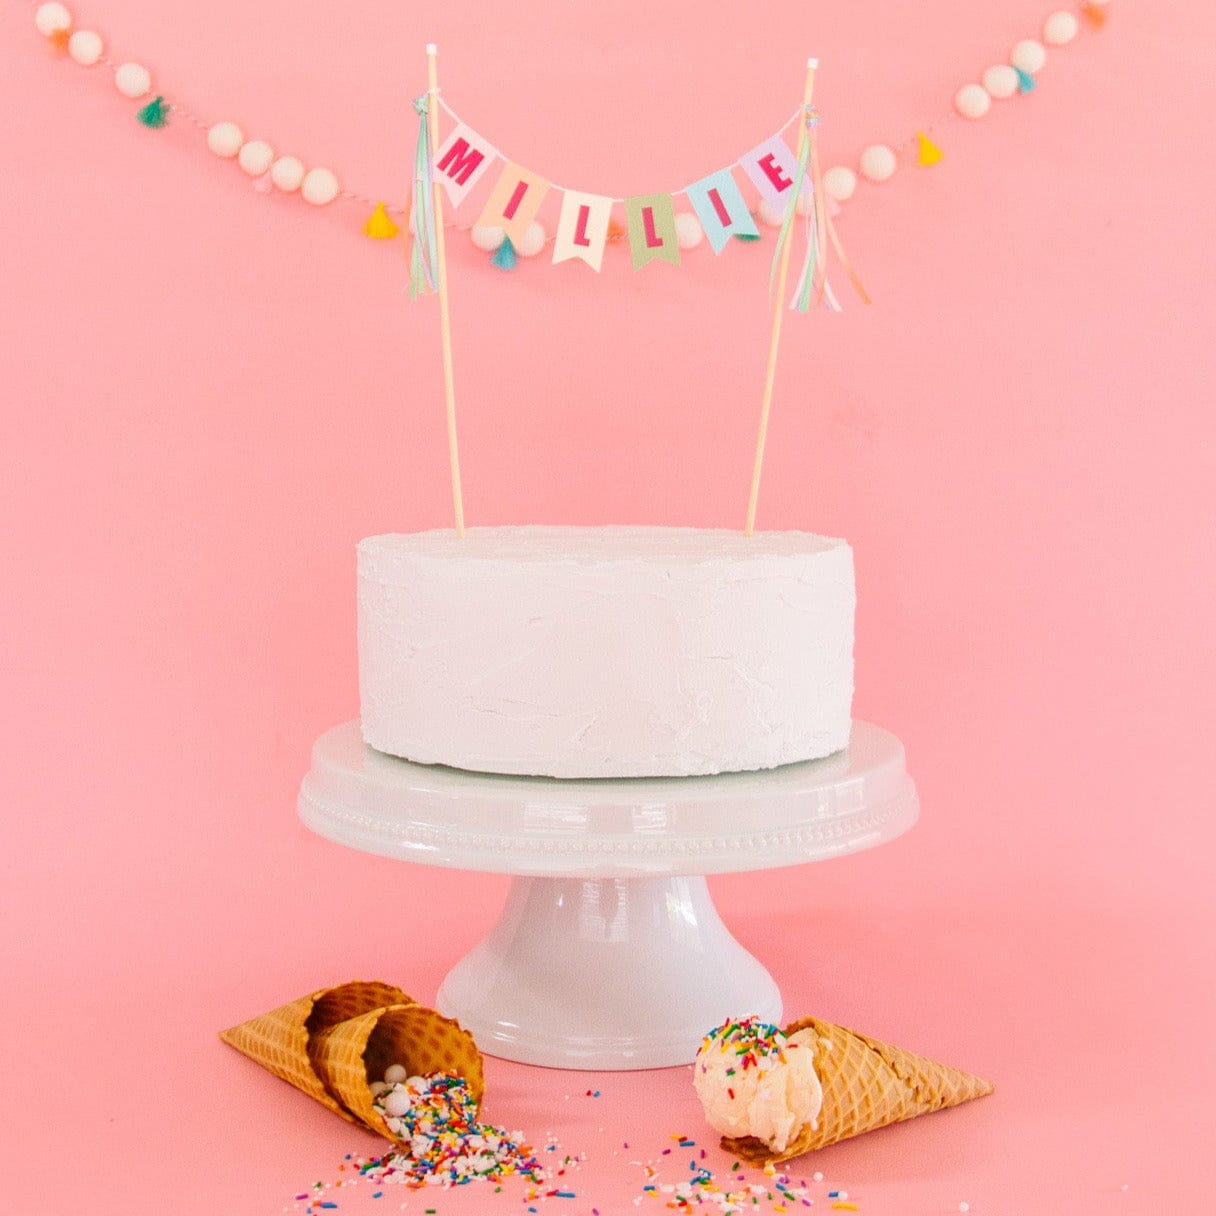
606, 652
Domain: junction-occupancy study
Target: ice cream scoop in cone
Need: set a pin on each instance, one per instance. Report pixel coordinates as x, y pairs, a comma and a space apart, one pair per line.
839, 1084
283, 1040
352, 1054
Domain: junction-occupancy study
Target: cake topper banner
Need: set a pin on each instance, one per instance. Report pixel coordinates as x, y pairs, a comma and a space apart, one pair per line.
778, 174
789, 182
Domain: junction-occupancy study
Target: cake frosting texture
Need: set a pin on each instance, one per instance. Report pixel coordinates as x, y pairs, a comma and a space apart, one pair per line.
606, 652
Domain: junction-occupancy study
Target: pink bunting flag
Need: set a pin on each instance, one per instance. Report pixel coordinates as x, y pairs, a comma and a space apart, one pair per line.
461, 161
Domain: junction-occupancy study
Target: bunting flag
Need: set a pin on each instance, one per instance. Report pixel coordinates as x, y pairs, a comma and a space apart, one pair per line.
582, 228
514, 202
651, 219
461, 162
718, 203
772, 168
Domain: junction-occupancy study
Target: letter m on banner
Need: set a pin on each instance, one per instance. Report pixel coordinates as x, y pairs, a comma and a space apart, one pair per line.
461, 161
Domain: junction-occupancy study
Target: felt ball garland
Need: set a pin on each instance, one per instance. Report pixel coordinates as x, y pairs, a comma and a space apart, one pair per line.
320, 186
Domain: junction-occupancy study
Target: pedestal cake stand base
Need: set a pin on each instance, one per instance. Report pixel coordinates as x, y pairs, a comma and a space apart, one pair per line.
609, 953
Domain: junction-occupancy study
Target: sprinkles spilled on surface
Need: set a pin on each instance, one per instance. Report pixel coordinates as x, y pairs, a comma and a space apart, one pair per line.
443, 1142
443, 1145
732, 1192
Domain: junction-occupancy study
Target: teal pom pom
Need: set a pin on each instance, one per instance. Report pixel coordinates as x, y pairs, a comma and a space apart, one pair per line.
504, 256
155, 113
1025, 81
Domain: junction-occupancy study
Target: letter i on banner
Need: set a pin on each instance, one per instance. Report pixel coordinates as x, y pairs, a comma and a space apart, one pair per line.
514, 201
461, 161
720, 207
652, 229
582, 228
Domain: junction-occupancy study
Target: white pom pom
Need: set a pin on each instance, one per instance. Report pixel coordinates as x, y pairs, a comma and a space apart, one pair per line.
287, 173
397, 1102
972, 101
1059, 28
50, 18
255, 157
806, 203
132, 79
1000, 81
85, 47
488, 239
688, 230
225, 139
533, 242
840, 183
394, 1074
319, 187
878, 162
1029, 56
769, 215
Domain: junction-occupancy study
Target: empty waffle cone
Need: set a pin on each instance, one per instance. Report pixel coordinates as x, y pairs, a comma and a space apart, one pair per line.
867, 1084
349, 1056
283, 1039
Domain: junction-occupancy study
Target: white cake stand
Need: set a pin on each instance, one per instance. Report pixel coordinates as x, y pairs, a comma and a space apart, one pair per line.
609, 953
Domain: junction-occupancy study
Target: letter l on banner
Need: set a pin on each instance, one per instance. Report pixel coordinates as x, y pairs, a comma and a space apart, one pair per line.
582, 228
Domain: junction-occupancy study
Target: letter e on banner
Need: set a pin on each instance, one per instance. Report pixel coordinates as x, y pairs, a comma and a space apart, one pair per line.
772, 167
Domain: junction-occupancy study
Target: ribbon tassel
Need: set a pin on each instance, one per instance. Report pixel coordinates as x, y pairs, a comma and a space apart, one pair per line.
424, 255
819, 231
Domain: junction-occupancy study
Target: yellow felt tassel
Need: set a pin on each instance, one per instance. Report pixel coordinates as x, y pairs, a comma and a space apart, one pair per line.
379, 226
927, 152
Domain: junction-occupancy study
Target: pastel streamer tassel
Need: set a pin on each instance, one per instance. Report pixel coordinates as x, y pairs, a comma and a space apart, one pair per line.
424, 255
791, 208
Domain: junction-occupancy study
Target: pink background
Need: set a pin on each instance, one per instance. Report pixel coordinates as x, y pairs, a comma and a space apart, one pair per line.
211, 395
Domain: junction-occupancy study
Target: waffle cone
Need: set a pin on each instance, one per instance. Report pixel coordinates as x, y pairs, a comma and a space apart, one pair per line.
350, 1055
867, 1084
283, 1039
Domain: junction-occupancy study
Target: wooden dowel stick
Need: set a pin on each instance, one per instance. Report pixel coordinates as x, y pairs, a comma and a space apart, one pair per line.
778, 313
445, 326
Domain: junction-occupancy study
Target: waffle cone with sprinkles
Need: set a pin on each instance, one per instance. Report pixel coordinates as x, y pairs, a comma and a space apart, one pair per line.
350, 1055
867, 1084
283, 1040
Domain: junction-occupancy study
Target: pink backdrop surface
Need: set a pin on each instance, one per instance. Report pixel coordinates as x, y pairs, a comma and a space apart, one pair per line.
211, 395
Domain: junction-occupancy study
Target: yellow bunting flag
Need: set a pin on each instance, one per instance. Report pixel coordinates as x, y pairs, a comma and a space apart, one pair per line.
652, 229
514, 202
582, 228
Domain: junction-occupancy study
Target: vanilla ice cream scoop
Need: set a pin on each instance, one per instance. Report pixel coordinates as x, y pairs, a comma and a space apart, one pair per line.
755, 1081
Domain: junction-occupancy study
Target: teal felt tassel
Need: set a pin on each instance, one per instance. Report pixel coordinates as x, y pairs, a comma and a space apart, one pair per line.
1025, 81
155, 113
504, 256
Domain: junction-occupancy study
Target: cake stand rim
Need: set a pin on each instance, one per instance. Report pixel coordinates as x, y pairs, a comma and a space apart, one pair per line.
796, 814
